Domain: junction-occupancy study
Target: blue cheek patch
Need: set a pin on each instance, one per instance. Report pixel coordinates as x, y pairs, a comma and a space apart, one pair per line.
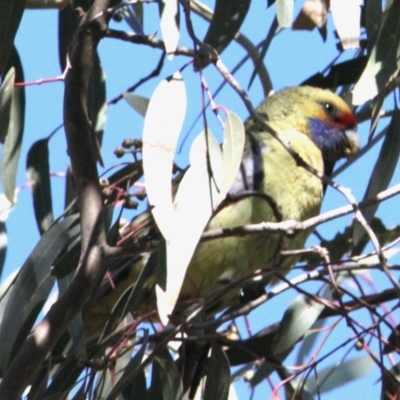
330, 139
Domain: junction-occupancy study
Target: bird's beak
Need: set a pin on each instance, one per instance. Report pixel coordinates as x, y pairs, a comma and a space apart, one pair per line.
354, 142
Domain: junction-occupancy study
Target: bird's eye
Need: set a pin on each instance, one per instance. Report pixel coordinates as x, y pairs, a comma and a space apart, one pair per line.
329, 107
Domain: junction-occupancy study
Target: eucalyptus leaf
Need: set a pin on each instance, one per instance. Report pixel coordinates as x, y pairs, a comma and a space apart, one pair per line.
38, 173
346, 16
10, 18
166, 381
3, 245
339, 374
6, 95
12, 146
382, 173
162, 126
138, 103
234, 138
297, 320
218, 375
193, 205
225, 24
31, 289
284, 12
169, 26
383, 63
130, 370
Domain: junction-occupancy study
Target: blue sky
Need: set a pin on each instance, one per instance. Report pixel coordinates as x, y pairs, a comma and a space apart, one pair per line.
293, 57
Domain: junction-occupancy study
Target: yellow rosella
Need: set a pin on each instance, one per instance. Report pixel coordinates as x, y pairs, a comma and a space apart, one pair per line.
321, 129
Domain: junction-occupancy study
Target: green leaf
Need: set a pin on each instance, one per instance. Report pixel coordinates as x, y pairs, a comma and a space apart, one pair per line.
284, 12
12, 146
218, 375
64, 379
373, 19
138, 103
39, 386
75, 328
130, 371
68, 262
226, 21
341, 74
131, 297
339, 374
136, 388
162, 126
31, 290
10, 17
3, 245
195, 200
38, 173
382, 173
384, 62
97, 106
297, 320
258, 346
68, 21
106, 379
134, 17
138, 9
346, 16
169, 25
232, 153
390, 383
6, 95
166, 383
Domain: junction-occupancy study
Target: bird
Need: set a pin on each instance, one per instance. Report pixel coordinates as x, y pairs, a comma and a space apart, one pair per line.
269, 186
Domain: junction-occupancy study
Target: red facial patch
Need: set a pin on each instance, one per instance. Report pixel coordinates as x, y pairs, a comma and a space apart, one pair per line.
348, 119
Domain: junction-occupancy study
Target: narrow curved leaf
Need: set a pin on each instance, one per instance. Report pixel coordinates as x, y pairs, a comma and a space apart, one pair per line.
106, 379
218, 375
390, 383
31, 289
339, 374
226, 21
130, 299
130, 370
6, 95
169, 26
246, 351
384, 62
382, 173
134, 17
162, 125
297, 320
12, 146
10, 17
38, 173
166, 381
138, 103
284, 12
39, 386
97, 105
347, 19
3, 245
194, 202
313, 14
232, 152
373, 19
68, 21
139, 12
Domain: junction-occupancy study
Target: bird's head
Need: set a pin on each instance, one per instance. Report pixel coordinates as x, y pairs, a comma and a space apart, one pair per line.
320, 114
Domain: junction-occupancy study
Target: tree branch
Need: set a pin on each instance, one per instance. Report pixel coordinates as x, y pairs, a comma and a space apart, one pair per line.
291, 227
81, 151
